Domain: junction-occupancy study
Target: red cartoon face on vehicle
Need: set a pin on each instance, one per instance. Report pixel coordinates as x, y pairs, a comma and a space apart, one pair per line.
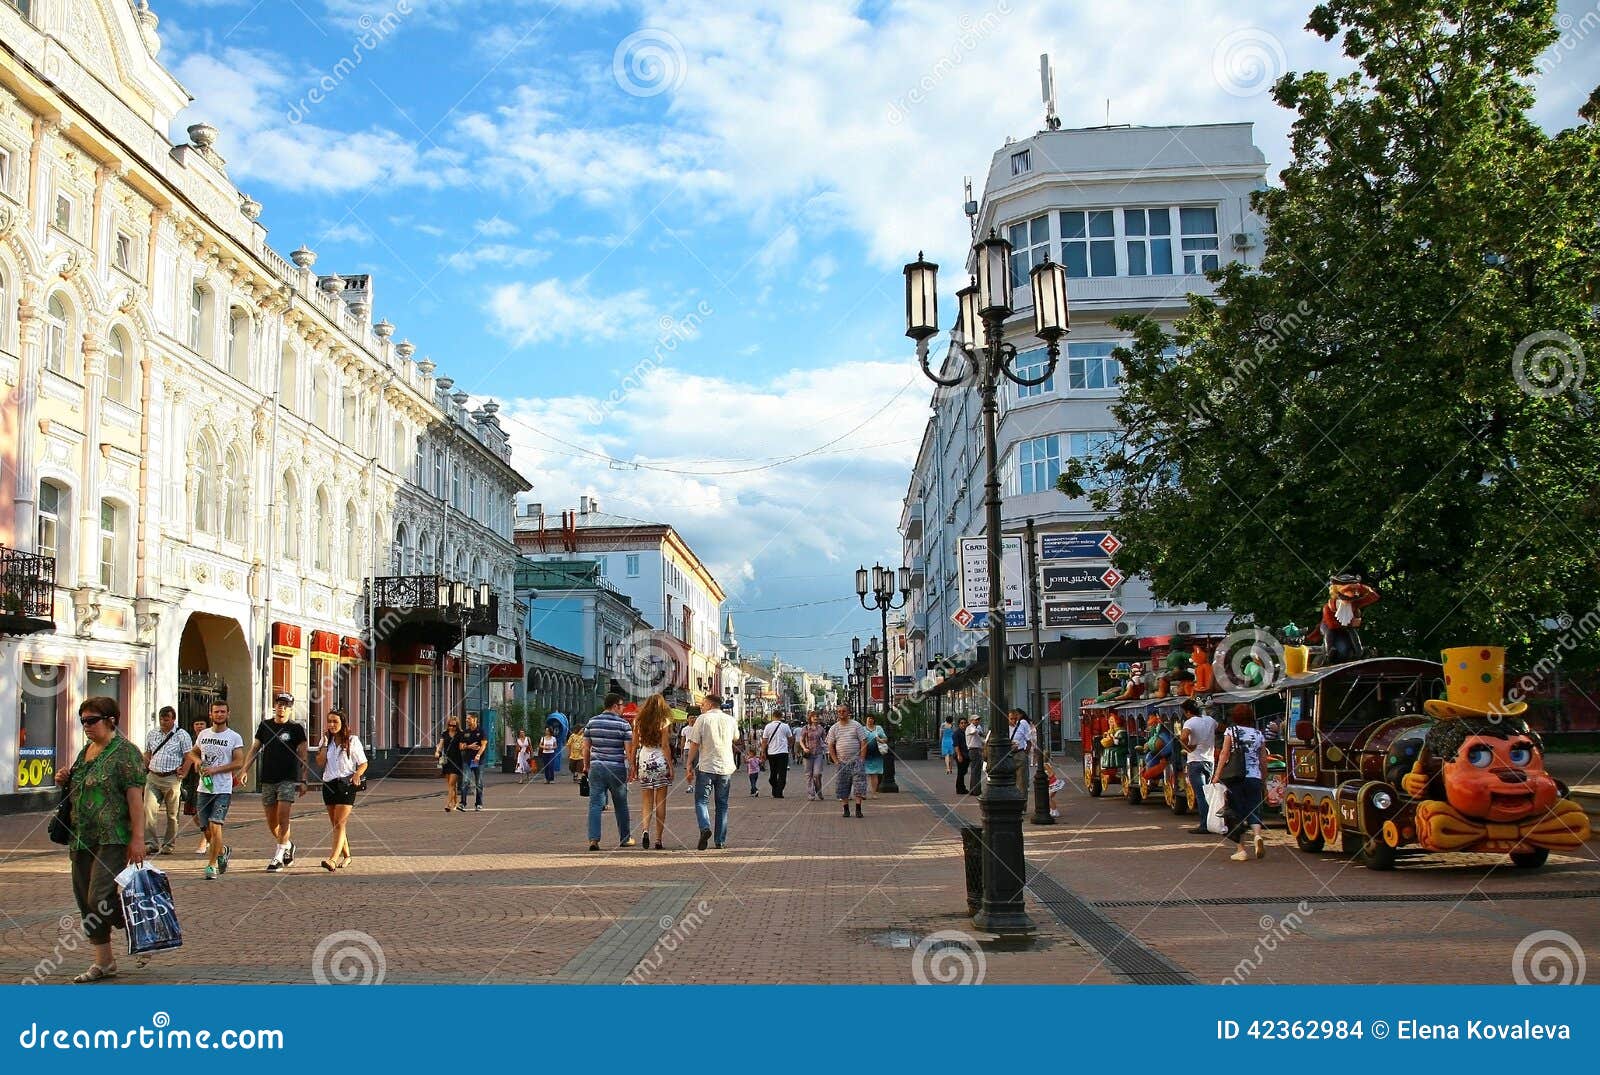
1499, 778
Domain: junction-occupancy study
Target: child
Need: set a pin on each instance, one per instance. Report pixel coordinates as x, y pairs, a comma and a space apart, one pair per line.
1057, 783
752, 765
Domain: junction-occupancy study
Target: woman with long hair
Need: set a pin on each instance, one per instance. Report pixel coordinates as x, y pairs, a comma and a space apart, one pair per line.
655, 764
448, 754
343, 762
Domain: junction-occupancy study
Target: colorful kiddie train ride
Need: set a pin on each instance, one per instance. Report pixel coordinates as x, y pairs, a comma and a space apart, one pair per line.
1379, 764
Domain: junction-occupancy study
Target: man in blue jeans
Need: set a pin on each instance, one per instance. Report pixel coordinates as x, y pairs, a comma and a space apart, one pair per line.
711, 740
1199, 739
473, 744
608, 758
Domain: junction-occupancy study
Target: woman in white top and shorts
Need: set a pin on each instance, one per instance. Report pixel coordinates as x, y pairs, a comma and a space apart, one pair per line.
343, 762
654, 762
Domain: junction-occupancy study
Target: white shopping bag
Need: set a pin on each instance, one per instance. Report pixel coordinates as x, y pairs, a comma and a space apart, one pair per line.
1216, 799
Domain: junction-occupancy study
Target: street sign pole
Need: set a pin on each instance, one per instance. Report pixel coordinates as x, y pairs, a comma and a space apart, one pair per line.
1041, 781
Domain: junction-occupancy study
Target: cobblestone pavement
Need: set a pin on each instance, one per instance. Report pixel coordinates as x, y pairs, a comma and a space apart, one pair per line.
799, 895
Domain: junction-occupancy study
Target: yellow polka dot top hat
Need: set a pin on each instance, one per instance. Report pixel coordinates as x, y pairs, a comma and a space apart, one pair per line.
1474, 685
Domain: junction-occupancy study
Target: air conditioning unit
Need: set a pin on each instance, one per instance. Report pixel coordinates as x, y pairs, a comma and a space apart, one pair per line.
1123, 629
1243, 240
1183, 627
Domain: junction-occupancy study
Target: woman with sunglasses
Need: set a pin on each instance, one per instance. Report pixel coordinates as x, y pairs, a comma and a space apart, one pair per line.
343, 762
448, 755
106, 785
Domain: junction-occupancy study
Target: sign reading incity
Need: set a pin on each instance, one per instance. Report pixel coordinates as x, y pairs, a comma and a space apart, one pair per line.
974, 611
1078, 545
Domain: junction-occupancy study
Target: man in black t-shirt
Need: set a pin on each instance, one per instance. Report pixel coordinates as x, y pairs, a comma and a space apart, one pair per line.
281, 743
473, 744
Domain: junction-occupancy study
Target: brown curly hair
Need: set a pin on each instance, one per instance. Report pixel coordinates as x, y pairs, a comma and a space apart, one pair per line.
654, 716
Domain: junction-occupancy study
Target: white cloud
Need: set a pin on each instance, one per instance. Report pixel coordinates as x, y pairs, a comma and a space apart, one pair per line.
498, 254
496, 227
345, 231
742, 516
263, 115
557, 309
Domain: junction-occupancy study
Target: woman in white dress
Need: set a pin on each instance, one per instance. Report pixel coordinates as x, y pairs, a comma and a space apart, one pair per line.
524, 756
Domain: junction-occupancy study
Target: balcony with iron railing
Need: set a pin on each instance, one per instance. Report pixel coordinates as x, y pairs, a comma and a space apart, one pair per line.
27, 592
431, 609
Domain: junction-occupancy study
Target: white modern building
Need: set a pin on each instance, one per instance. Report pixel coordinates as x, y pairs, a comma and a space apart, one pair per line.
1136, 215
653, 566
203, 445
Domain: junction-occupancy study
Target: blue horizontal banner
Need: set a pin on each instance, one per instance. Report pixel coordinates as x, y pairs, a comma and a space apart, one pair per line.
1315, 1027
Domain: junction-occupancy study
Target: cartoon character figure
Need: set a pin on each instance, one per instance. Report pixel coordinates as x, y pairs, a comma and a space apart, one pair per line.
1157, 748
1132, 689
1113, 744
1177, 671
1204, 675
1339, 627
1480, 773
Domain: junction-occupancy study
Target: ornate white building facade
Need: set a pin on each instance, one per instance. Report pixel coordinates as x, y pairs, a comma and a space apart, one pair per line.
215, 447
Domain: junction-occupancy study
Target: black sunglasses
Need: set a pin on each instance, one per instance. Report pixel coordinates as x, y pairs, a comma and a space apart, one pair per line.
90, 722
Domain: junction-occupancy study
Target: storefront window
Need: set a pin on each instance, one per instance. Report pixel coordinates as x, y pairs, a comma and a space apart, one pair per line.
105, 684
41, 705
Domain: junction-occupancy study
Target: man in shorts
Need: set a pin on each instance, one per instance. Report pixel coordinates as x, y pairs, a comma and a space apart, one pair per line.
218, 754
281, 743
847, 748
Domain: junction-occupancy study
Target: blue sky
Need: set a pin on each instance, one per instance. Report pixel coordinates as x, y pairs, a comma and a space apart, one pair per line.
667, 234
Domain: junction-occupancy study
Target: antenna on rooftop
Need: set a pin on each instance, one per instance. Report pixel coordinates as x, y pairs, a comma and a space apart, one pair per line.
1047, 90
970, 206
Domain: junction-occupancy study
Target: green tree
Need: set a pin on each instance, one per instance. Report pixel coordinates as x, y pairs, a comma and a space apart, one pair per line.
1398, 389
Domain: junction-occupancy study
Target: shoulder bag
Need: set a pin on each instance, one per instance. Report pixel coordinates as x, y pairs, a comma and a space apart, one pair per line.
1234, 770
158, 749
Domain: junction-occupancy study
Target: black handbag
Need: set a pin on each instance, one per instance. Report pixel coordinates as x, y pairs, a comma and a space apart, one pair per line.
583, 785
60, 827
1234, 770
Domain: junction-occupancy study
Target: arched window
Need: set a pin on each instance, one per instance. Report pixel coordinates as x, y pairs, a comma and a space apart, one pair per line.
289, 379
234, 495
322, 402
5, 309
322, 550
203, 485
352, 543
57, 334
239, 343
350, 426
397, 448
401, 541
120, 368
114, 529
291, 518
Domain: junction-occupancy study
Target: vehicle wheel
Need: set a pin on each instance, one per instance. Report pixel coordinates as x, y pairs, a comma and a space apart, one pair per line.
1096, 786
1177, 795
1131, 792
1351, 843
1530, 860
1377, 854
1308, 845
1091, 777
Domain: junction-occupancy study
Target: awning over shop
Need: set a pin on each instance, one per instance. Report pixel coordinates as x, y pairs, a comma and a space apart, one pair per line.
324, 646
507, 670
285, 639
352, 650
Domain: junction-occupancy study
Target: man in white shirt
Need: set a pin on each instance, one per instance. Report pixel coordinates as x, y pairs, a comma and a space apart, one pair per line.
777, 740
1199, 738
219, 754
711, 739
975, 755
1021, 743
166, 750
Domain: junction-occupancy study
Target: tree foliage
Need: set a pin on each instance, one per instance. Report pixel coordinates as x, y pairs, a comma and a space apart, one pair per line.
1399, 388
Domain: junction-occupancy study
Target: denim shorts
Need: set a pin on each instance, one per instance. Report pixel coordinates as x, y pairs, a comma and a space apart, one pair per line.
282, 791
212, 809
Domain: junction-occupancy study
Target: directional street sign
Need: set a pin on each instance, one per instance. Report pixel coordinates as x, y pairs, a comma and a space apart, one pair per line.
1078, 578
975, 583
1081, 613
1078, 545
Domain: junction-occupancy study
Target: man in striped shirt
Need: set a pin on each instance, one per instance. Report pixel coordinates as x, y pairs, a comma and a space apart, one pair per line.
847, 748
608, 758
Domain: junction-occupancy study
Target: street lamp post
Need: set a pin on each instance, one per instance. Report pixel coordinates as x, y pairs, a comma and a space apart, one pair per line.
1041, 780
984, 306
882, 586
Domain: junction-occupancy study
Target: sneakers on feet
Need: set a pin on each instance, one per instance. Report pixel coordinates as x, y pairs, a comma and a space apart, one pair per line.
288, 854
478, 807
222, 860
1261, 846
594, 845
1240, 856
274, 865
627, 843
705, 838
211, 873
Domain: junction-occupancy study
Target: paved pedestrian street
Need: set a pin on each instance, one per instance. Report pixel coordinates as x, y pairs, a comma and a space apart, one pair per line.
801, 895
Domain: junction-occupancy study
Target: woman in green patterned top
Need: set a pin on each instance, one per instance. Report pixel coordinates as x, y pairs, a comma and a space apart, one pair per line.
106, 783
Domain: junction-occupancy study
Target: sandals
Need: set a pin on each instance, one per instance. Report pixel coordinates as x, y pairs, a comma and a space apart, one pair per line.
95, 973
335, 864
327, 864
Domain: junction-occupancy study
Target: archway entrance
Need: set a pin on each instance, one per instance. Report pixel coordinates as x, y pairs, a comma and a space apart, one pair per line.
214, 664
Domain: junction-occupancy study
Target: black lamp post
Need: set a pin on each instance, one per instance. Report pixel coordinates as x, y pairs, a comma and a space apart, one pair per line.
980, 338
881, 587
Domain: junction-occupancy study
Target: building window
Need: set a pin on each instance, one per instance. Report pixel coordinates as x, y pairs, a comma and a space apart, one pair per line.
291, 518
63, 217
399, 553
1088, 243
352, 545
1022, 162
1088, 446
51, 536
1031, 364
203, 487
119, 368
42, 694
1149, 241
416, 465
1091, 367
350, 417
57, 331
1030, 243
122, 252
197, 318
322, 546
1199, 227
633, 565
455, 486
239, 344
600, 566
472, 495
1038, 464
5, 169
438, 474
289, 378
321, 402
111, 518
233, 502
